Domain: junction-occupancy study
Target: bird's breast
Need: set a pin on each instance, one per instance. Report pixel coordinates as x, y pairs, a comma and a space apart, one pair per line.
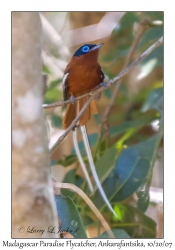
83, 78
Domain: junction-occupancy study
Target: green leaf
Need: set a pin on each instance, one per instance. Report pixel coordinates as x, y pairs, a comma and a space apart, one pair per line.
92, 140
143, 199
129, 19
148, 148
87, 221
126, 163
70, 218
150, 37
142, 120
68, 160
105, 164
154, 100
103, 146
131, 171
134, 222
143, 193
118, 233
147, 151
134, 181
121, 45
72, 177
152, 145
69, 178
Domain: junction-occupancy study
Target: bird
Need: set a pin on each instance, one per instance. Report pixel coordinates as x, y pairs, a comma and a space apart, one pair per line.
82, 75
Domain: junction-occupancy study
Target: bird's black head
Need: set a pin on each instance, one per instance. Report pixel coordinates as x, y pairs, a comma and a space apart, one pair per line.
86, 48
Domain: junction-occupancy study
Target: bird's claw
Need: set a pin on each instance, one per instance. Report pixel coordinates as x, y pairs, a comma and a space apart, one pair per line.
73, 100
102, 84
91, 93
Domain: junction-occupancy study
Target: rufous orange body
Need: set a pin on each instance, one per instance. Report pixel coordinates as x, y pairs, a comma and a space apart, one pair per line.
84, 74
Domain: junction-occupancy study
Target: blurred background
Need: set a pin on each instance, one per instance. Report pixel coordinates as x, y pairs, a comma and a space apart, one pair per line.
136, 117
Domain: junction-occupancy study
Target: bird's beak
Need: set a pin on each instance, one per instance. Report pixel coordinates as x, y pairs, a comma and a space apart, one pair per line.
97, 46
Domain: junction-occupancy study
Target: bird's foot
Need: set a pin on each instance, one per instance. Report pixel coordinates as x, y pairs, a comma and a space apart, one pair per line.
91, 93
96, 95
73, 100
102, 84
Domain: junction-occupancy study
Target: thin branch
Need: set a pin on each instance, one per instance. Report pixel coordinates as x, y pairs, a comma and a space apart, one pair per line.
155, 23
142, 29
109, 84
62, 103
61, 138
115, 79
135, 63
89, 203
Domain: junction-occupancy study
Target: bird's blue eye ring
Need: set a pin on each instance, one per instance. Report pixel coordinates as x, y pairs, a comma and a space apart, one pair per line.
85, 49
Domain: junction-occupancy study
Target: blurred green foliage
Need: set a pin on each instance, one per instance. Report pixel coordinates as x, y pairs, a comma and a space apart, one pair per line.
124, 160
134, 222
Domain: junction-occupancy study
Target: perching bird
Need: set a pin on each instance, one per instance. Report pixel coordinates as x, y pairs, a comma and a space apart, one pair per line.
82, 75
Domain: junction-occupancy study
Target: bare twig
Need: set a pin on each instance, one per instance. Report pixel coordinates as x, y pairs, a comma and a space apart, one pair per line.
142, 29
62, 103
89, 203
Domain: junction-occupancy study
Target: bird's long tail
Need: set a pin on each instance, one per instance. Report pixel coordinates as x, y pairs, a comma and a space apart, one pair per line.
81, 159
71, 113
74, 109
92, 166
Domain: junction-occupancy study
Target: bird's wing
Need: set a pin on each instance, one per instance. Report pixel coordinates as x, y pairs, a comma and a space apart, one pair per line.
66, 95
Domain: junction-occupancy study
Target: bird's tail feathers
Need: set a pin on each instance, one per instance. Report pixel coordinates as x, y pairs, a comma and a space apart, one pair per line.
81, 160
73, 110
69, 115
92, 166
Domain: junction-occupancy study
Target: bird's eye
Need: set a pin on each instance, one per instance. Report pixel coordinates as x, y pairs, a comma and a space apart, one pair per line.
85, 49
